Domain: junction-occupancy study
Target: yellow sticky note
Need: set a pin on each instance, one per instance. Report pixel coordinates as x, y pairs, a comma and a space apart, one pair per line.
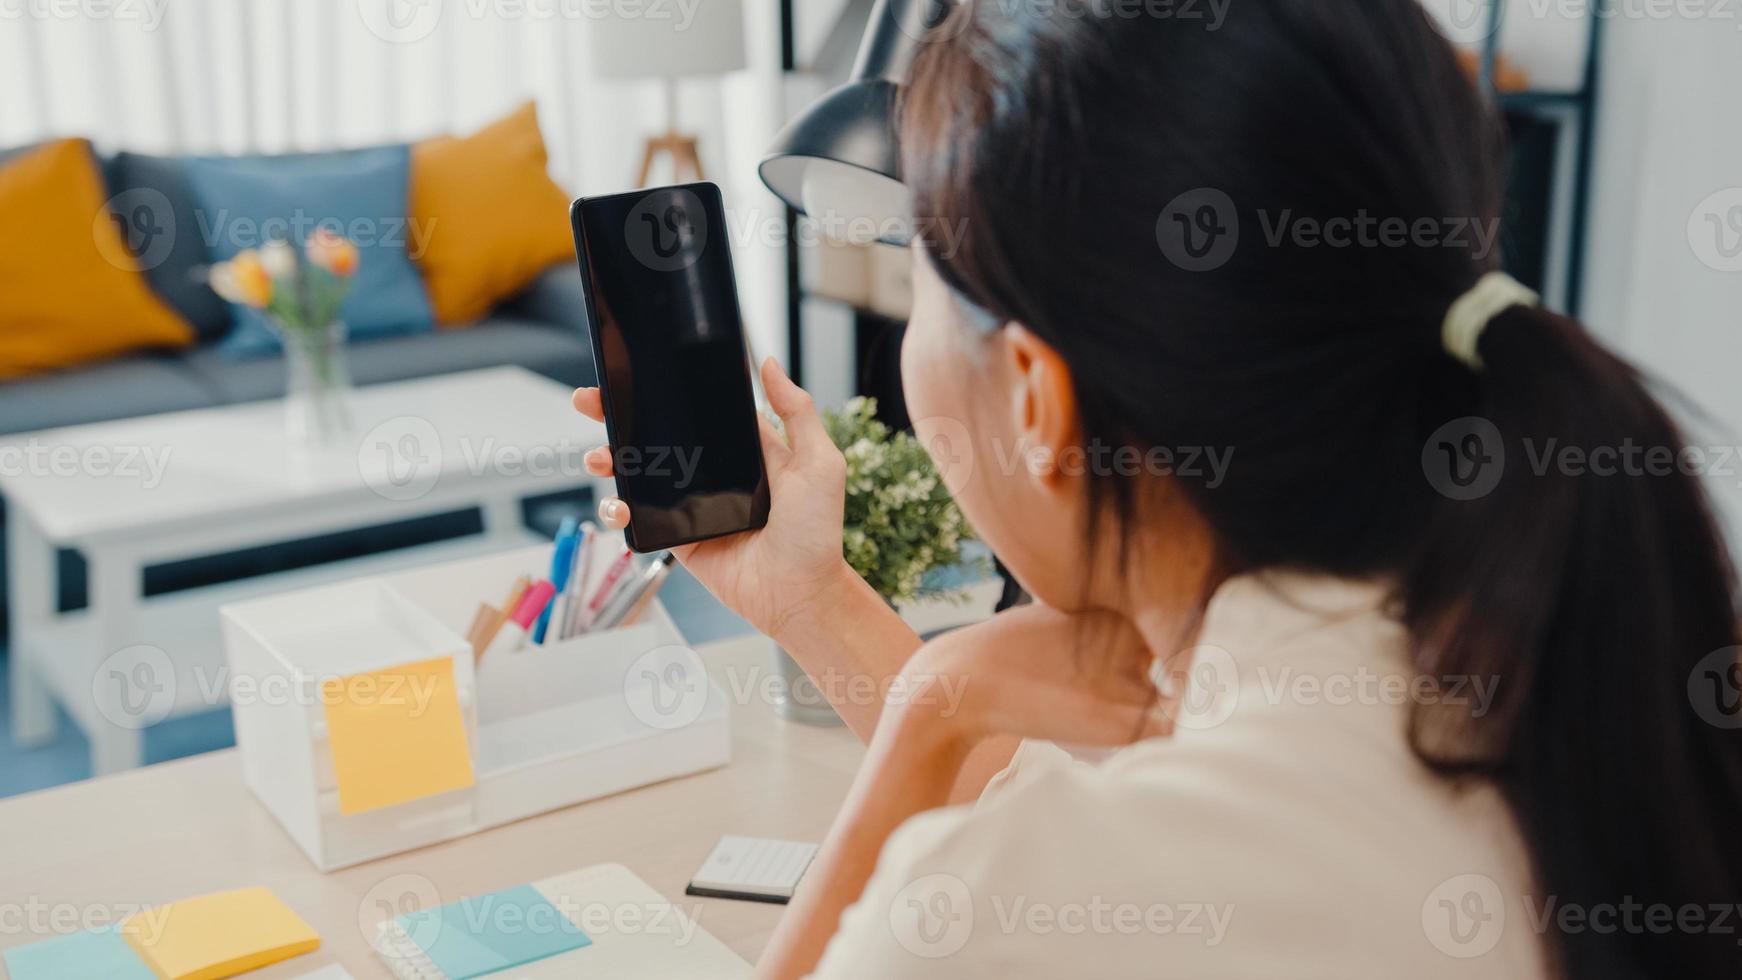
218, 935
396, 734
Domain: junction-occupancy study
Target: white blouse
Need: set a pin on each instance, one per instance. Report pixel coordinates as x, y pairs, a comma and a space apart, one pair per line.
1285, 829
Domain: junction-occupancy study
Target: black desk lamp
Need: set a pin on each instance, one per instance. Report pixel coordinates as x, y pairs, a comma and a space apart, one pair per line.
840, 159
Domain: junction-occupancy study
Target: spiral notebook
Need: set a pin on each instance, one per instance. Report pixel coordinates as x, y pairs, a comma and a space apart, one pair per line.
599, 921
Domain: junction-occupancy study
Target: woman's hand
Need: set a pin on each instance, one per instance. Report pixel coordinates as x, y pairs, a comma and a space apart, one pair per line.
793, 565
1035, 672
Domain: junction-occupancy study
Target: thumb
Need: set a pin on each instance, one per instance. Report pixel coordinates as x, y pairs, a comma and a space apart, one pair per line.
795, 408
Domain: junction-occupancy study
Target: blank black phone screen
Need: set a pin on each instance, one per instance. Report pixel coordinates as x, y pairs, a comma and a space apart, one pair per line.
669, 343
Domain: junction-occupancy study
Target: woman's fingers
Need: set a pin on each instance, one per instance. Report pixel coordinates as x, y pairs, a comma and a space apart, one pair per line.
775, 451
614, 513
793, 405
589, 403
598, 461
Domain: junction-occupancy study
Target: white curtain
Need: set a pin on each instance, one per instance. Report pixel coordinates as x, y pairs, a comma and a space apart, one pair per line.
270, 76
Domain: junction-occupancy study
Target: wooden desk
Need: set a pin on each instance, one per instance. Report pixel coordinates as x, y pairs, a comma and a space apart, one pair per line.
93, 852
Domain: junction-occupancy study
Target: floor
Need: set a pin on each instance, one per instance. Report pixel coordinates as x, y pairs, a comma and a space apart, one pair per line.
67, 758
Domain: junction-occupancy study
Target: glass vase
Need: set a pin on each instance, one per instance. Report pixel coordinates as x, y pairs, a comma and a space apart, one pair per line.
317, 390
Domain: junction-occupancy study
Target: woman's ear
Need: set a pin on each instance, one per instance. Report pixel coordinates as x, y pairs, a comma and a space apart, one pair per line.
1043, 405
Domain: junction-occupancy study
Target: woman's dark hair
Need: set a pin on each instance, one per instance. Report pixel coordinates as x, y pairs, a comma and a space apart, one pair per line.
1157, 197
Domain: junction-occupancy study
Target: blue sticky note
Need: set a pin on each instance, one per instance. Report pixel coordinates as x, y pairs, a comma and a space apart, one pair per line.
481, 935
98, 955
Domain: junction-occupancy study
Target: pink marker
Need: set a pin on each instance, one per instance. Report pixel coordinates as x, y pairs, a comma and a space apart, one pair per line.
607, 586
512, 635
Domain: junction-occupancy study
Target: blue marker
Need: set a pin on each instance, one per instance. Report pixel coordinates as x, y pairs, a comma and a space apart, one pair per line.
561, 560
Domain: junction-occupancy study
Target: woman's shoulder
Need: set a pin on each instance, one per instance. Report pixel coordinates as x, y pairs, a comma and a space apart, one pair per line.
1186, 869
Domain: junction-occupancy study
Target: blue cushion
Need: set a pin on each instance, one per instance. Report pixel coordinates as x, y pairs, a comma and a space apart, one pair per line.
361, 194
161, 221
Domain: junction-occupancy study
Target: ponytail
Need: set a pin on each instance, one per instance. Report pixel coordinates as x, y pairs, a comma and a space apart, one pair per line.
1586, 574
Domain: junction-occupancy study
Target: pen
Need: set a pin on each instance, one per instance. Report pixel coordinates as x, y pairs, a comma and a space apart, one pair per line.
575, 596
634, 595
607, 585
561, 559
513, 633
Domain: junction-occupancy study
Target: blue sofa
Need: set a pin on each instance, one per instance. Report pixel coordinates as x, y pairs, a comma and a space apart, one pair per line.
542, 329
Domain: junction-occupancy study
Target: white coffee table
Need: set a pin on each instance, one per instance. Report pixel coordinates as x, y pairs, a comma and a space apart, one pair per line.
140, 492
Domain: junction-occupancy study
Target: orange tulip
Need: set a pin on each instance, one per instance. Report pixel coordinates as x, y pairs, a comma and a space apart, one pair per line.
332, 252
243, 279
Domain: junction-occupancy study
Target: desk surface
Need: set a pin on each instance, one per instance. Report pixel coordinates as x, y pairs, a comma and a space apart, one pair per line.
92, 852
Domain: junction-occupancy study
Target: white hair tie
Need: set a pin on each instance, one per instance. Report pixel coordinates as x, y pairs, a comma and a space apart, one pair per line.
1470, 313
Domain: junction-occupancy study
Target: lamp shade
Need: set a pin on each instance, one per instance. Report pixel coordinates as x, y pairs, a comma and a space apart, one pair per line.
705, 37
839, 161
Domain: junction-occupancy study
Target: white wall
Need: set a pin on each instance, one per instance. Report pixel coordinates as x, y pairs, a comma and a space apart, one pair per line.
1669, 138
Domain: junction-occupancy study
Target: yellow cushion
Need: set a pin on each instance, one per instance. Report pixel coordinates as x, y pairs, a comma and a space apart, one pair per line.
489, 216
72, 291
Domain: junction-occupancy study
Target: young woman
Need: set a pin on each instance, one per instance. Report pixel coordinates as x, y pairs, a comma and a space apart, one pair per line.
1427, 705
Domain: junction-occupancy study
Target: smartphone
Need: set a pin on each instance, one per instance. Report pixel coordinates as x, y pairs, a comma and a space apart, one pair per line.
668, 342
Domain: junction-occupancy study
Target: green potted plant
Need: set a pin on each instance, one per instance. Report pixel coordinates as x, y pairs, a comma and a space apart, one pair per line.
900, 525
